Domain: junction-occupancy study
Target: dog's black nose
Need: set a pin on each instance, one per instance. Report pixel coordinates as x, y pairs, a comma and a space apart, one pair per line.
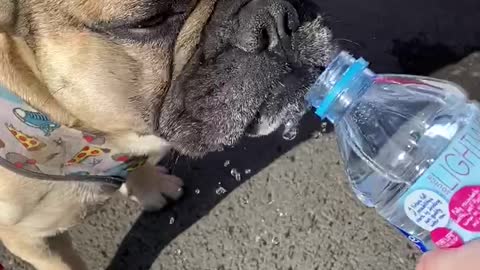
266, 24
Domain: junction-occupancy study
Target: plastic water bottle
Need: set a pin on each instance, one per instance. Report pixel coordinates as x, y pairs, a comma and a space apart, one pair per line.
411, 149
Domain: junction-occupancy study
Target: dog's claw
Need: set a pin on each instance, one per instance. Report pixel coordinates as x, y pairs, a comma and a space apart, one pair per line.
172, 186
153, 187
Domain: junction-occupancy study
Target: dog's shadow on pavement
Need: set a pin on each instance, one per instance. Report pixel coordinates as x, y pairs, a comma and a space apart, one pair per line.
407, 36
208, 181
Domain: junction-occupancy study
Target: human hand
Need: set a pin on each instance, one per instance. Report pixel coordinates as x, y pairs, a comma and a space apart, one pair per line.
463, 258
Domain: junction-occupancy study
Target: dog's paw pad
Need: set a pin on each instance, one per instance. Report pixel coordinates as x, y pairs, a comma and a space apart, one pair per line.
153, 189
171, 186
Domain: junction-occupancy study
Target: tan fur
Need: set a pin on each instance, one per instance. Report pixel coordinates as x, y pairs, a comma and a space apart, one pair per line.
68, 73
20, 73
6, 14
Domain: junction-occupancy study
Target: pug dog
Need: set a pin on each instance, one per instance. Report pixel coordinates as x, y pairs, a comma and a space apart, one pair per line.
140, 77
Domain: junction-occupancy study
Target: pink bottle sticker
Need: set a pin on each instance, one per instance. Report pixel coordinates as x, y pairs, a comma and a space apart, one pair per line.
445, 200
446, 238
465, 208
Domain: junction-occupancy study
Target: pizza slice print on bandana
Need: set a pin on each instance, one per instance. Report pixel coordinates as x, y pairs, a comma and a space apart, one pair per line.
29, 142
22, 162
130, 163
93, 139
85, 153
127, 165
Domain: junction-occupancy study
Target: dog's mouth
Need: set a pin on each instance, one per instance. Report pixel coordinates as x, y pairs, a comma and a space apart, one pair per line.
263, 124
255, 128
285, 107
226, 91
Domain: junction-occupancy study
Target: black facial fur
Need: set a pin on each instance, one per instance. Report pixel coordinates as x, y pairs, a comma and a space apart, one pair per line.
251, 71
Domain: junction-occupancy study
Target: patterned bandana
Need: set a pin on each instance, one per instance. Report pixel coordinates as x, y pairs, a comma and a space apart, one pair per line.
34, 146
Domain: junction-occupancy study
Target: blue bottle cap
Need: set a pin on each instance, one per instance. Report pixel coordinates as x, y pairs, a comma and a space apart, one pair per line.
342, 84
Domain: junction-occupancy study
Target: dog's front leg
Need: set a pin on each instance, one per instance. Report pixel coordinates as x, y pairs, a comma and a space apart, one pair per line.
152, 186
53, 253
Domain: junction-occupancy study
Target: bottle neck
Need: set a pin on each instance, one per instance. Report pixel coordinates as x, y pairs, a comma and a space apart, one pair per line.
340, 85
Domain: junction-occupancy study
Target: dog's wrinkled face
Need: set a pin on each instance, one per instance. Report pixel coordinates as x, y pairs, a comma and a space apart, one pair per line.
249, 74
199, 74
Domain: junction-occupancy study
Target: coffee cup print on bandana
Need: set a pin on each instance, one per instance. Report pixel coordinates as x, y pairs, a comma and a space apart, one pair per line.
427, 209
465, 208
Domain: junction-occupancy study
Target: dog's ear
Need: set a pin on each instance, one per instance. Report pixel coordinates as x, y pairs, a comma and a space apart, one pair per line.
19, 74
190, 34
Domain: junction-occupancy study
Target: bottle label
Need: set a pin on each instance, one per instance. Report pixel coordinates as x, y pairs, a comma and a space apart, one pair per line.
415, 241
445, 200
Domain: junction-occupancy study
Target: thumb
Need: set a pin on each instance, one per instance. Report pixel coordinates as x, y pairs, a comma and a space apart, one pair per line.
463, 258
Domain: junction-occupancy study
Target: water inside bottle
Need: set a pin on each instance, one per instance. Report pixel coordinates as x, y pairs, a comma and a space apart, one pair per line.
391, 129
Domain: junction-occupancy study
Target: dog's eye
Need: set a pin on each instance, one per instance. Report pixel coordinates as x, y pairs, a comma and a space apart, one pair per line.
155, 21
142, 30
152, 22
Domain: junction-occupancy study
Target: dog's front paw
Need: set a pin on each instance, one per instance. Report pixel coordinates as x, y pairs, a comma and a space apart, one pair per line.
153, 187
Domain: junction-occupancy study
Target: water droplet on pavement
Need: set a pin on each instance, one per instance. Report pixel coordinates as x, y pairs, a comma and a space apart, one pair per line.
236, 174
220, 191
